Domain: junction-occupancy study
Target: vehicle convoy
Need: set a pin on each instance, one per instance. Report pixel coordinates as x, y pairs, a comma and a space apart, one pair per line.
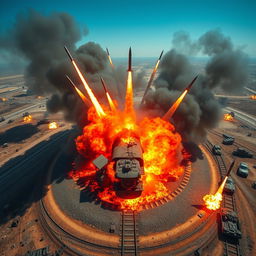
229, 224
241, 152
216, 149
128, 166
243, 170
229, 187
227, 139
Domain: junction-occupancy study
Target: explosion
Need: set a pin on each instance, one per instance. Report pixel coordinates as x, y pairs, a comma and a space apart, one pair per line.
27, 119
253, 97
213, 202
152, 150
228, 117
53, 125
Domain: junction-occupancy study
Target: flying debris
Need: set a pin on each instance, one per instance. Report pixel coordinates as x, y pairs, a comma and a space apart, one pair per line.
168, 115
82, 96
151, 78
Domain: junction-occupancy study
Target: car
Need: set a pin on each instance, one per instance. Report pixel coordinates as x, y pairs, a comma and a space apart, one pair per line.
229, 187
254, 185
2, 119
25, 114
227, 139
9, 121
241, 152
229, 224
216, 149
243, 170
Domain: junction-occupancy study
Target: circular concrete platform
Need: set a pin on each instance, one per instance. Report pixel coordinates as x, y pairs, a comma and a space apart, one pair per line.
163, 228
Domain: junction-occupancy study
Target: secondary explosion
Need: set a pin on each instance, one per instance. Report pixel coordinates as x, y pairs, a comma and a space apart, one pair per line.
228, 117
143, 156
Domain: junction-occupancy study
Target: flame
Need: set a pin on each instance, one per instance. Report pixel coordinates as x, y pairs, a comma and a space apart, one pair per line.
93, 99
27, 119
3, 99
129, 95
162, 155
84, 99
158, 159
174, 107
228, 117
213, 202
111, 103
253, 97
53, 125
110, 61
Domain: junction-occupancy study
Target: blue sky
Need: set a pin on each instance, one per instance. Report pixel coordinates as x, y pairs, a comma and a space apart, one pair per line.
147, 26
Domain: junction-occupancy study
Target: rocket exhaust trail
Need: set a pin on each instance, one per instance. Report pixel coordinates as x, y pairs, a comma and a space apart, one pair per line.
129, 89
93, 99
168, 115
110, 101
84, 99
110, 60
151, 78
213, 201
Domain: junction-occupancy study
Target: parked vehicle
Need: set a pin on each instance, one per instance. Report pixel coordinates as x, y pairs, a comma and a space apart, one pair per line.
229, 224
229, 187
241, 152
216, 149
243, 170
25, 114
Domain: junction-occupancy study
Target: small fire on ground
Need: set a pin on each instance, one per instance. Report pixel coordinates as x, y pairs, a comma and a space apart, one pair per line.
53, 125
228, 117
27, 119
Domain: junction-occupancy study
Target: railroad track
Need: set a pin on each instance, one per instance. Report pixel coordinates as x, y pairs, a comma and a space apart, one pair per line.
230, 249
129, 234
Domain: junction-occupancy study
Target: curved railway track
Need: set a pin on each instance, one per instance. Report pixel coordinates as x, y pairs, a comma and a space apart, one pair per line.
230, 249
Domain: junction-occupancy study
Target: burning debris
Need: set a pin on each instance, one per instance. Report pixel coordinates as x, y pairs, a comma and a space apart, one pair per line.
228, 117
52, 125
143, 155
27, 119
253, 97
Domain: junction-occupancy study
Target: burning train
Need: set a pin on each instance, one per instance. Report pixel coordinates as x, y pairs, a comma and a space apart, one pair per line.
142, 156
129, 167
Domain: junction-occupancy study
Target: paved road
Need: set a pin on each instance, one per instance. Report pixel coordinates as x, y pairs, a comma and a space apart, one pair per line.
18, 114
18, 173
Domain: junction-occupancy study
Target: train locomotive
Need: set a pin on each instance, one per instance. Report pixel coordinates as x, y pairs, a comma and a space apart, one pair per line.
128, 166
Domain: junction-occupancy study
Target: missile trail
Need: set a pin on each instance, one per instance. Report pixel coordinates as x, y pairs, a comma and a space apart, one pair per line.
168, 115
110, 60
93, 99
110, 101
82, 96
151, 78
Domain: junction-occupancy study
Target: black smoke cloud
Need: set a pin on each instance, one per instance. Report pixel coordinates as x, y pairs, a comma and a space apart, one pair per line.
226, 69
39, 40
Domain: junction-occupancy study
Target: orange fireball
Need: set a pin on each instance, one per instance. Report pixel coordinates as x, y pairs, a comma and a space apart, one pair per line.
27, 119
228, 117
53, 125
